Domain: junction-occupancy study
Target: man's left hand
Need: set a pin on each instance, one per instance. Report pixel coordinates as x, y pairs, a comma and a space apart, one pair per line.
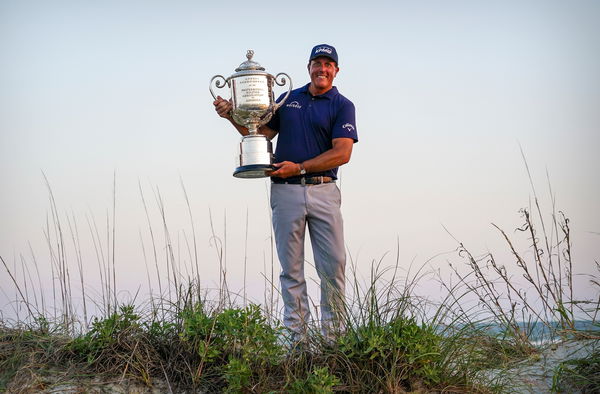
285, 169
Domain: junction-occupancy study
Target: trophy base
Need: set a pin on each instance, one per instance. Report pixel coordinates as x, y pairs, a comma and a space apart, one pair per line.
253, 171
254, 158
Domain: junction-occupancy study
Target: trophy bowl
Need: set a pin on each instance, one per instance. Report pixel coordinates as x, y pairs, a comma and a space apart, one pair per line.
254, 104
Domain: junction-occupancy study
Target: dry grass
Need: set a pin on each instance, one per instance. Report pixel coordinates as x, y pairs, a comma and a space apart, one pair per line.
182, 340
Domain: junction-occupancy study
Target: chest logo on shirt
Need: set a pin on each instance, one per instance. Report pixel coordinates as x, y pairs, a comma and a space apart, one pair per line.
294, 104
349, 127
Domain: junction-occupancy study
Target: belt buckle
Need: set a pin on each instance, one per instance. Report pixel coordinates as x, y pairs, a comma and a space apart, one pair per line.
303, 181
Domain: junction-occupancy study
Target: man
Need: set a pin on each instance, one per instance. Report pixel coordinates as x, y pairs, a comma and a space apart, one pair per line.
316, 131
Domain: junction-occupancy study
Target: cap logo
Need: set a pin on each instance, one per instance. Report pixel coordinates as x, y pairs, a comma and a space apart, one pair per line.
323, 49
349, 127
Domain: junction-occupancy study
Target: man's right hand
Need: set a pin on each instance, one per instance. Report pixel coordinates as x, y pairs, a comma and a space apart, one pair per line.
223, 107
285, 169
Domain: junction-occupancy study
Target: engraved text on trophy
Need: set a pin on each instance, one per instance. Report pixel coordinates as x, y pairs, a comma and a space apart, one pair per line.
252, 100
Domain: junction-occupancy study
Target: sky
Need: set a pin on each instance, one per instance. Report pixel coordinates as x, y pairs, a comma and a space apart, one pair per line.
107, 105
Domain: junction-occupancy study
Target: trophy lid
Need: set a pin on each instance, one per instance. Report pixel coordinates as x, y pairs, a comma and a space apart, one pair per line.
249, 64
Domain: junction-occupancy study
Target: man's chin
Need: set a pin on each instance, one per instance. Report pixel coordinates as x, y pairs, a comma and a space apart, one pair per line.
321, 85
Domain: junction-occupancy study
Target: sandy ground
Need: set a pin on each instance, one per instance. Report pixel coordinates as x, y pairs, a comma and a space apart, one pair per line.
535, 374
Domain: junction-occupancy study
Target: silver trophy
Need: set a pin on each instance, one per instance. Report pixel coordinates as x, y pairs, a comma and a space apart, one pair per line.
253, 106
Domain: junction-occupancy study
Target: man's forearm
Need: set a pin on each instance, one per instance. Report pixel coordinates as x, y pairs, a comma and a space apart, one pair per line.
264, 130
338, 155
241, 129
267, 132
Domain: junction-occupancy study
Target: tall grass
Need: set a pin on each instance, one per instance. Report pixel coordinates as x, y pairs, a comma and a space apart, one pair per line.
185, 337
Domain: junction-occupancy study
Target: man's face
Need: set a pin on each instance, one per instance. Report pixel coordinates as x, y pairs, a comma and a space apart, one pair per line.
322, 71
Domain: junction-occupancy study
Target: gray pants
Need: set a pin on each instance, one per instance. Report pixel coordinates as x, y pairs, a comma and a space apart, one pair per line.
295, 206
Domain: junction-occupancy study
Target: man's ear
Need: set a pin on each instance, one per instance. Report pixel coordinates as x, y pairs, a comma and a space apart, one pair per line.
337, 70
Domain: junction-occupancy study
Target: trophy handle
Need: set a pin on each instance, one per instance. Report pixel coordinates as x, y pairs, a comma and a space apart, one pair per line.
283, 82
218, 84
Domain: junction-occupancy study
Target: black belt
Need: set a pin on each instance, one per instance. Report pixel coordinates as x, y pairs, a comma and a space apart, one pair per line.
309, 180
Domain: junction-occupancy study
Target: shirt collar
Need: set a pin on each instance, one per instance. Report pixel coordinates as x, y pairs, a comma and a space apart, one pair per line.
328, 94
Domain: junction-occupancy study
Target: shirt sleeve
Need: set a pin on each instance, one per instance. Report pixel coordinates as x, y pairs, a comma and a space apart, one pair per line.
345, 122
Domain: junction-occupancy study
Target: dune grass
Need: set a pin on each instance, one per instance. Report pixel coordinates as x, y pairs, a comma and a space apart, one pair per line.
187, 339
236, 349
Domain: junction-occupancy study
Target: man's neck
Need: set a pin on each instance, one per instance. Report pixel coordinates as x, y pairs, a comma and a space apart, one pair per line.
317, 92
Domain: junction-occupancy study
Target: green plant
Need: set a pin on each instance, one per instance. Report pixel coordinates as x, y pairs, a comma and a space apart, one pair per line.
237, 374
237, 344
401, 346
105, 333
320, 381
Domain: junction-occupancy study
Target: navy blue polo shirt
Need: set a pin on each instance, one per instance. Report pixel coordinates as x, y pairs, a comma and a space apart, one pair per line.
307, 124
